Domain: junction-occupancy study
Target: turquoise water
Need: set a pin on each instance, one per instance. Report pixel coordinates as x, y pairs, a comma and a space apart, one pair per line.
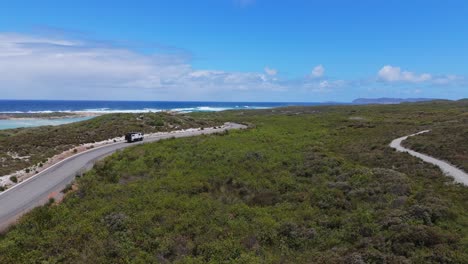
8, 124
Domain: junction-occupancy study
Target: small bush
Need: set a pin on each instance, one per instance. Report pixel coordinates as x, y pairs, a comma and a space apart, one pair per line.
252, 155
68, 188
116, 221
14, 179
266, 198
51, 201
159, 123
296, 236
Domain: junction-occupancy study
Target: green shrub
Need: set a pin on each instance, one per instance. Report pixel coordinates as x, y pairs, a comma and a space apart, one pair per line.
51, 201
67, 188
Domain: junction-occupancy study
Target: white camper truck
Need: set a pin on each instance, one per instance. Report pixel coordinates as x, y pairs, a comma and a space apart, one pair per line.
134, 136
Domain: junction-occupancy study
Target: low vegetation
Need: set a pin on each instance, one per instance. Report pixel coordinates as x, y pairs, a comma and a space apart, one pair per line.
302, 185
446, 140
21, 148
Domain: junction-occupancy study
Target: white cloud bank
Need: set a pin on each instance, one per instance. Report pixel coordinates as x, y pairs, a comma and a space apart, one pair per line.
38, 67
41, 67
33, 67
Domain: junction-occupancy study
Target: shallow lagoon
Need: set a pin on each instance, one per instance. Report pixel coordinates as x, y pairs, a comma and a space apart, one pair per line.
16, 123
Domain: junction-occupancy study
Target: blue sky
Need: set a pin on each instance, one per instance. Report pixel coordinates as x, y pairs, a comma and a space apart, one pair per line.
233, 50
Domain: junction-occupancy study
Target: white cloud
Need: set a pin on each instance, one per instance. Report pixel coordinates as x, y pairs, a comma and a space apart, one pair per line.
324, 84
391, 74
318, 71
394, 74
205, 73
270, 71
331, 84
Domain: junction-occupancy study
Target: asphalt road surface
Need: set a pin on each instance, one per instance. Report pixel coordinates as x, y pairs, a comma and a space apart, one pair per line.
37, 190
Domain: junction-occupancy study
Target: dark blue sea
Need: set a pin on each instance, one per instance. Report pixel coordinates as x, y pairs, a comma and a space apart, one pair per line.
43, 106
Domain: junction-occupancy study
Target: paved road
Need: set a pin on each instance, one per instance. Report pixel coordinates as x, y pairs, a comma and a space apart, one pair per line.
447, 168
37, 190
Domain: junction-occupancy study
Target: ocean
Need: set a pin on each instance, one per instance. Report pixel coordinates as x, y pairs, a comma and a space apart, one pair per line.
47, 106
44, 106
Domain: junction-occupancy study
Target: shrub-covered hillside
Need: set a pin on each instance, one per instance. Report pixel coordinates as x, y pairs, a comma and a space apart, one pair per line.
304, 185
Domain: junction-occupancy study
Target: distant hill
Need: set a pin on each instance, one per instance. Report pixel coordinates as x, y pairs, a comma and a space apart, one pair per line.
390, 100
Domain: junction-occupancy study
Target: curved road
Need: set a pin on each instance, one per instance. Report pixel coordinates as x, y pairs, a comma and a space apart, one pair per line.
447, 168
37, 190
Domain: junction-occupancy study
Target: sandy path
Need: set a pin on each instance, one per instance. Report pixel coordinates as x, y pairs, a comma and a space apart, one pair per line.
447, 168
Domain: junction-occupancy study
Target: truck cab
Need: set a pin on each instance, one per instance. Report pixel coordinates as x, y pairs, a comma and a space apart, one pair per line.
133, 137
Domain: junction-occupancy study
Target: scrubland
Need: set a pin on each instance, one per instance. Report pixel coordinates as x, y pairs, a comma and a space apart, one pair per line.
301, 185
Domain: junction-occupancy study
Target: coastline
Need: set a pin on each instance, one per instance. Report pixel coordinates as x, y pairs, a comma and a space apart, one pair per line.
15, 121
89, 114
47, 116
